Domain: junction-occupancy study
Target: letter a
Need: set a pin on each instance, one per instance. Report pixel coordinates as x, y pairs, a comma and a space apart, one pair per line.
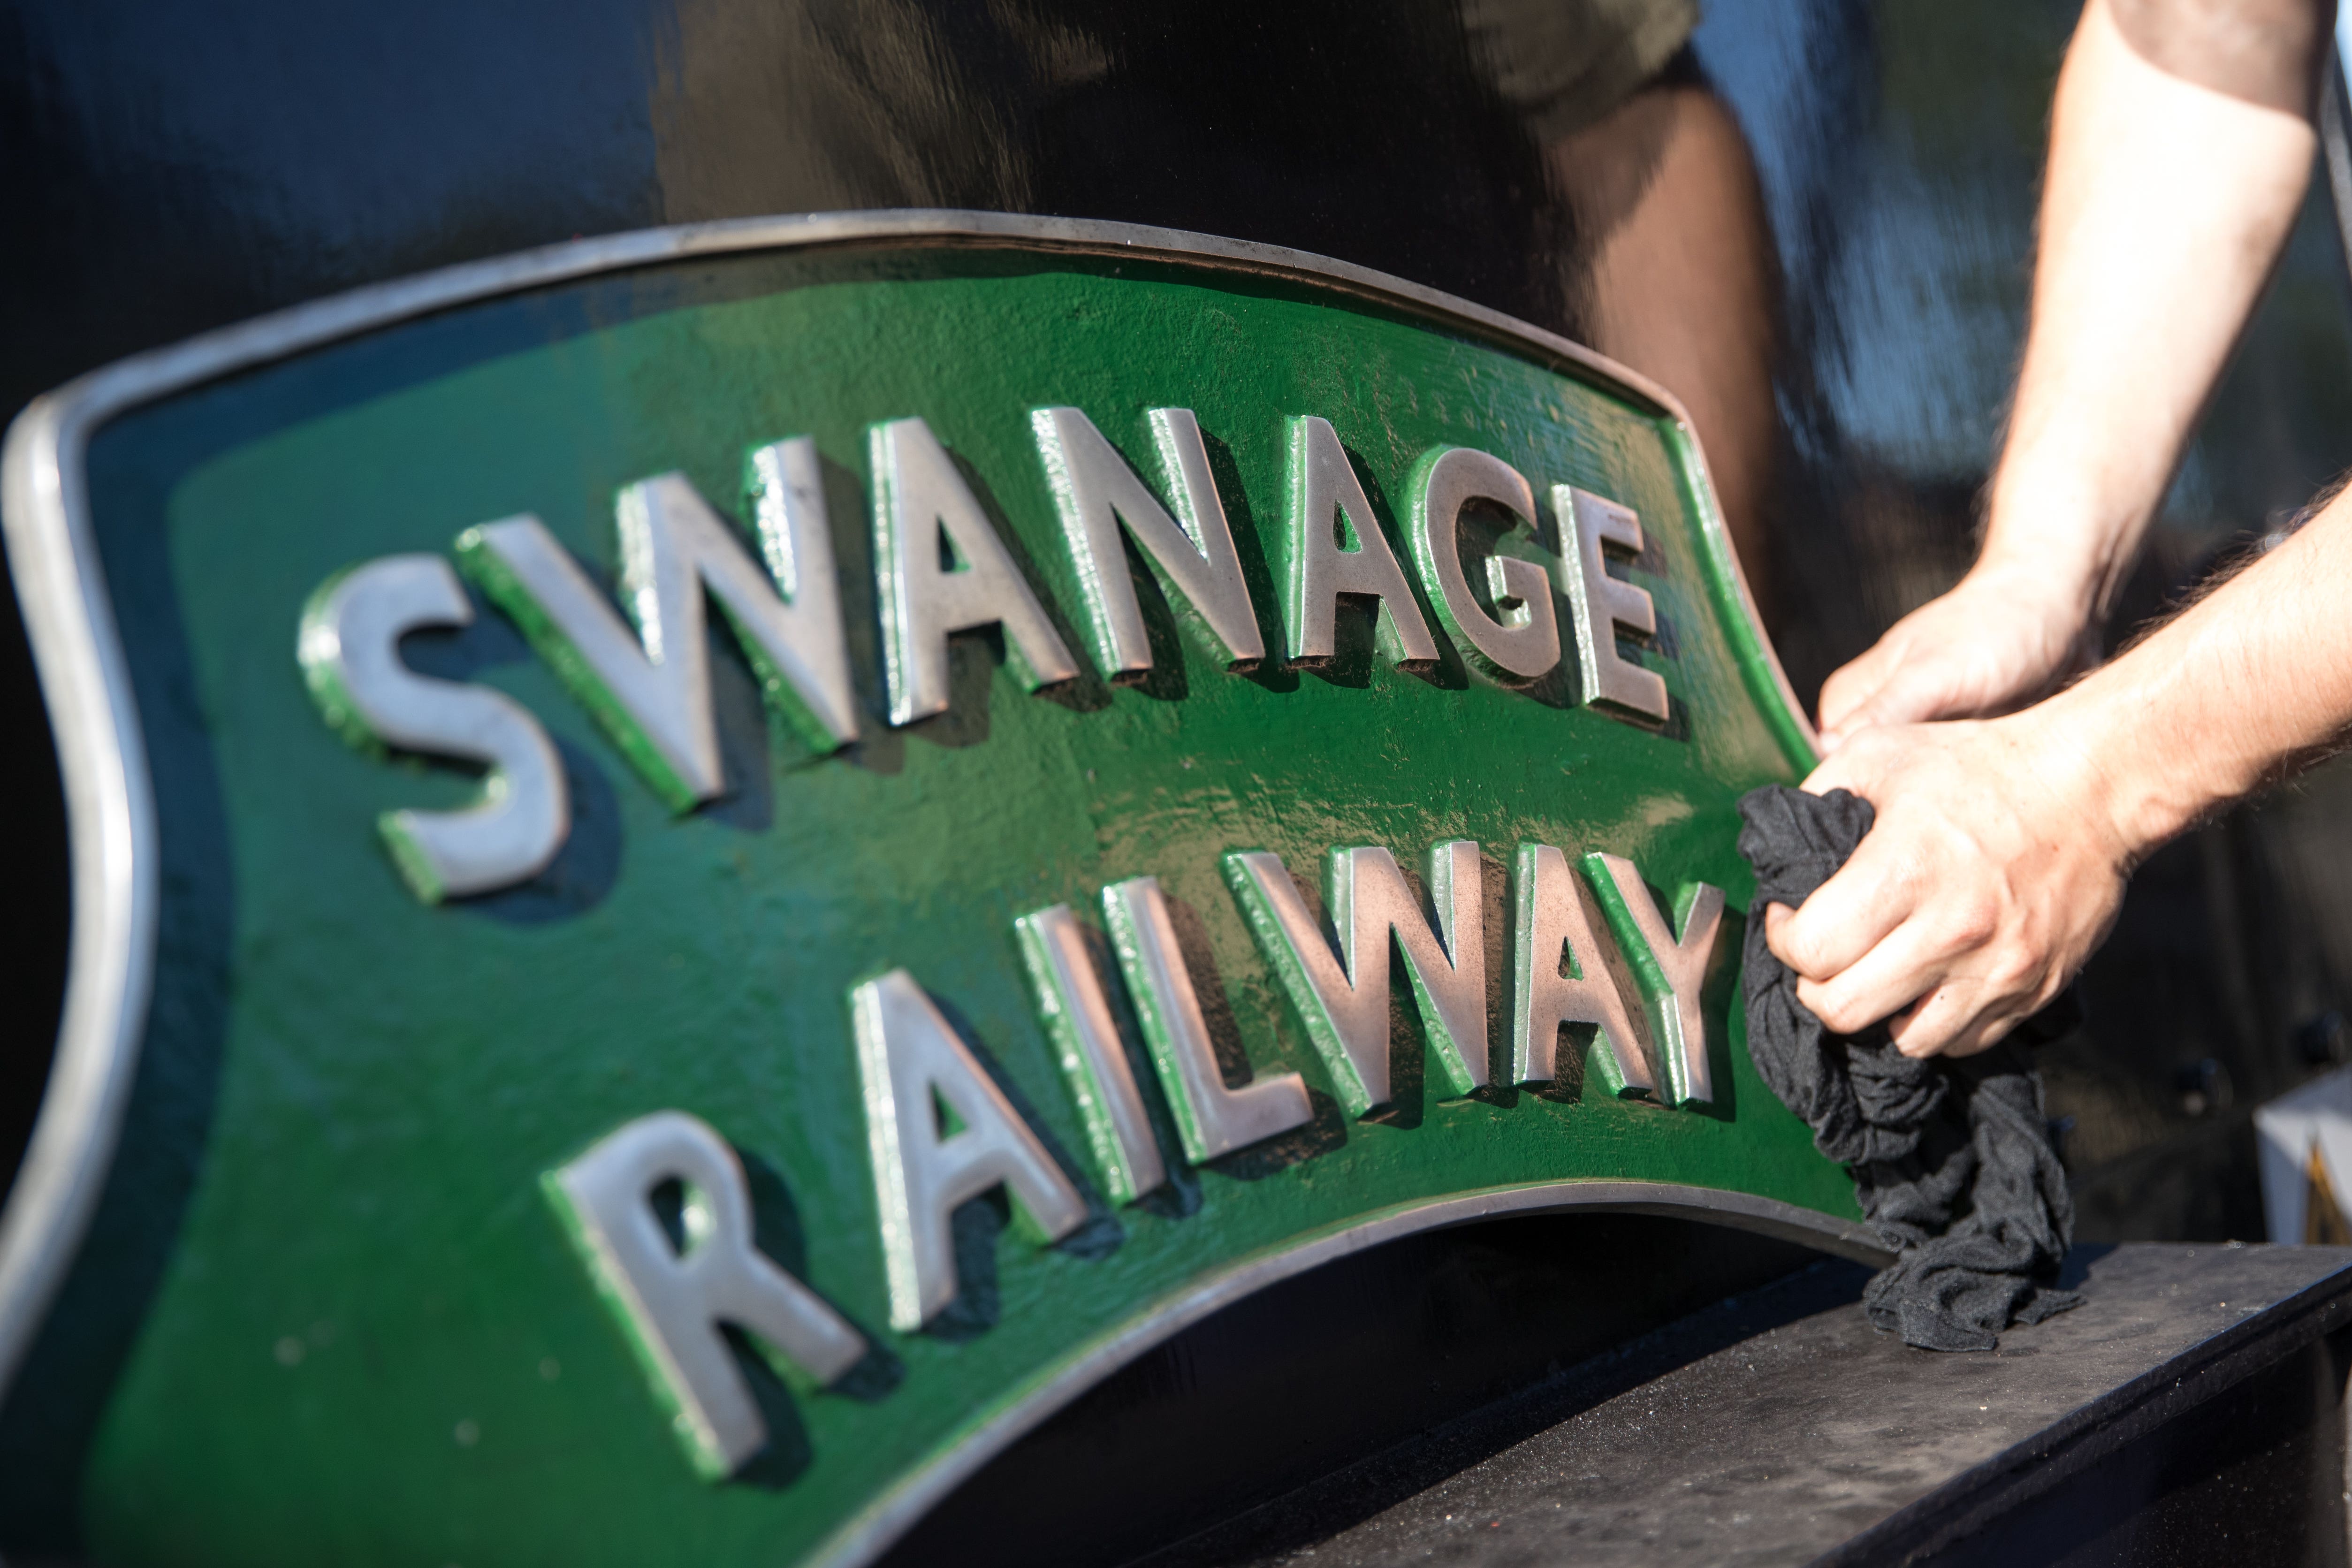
911, 1062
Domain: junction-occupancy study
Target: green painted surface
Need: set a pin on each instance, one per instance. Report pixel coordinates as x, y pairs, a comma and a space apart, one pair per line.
371, 1342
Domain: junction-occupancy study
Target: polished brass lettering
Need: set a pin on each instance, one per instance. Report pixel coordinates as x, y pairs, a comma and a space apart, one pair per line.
1095, 493
1337, 547
923, 510
350, 651
1522, 641
1342, 996
909, 1062
1599, 602
672, 1298
1213, 1118
1670, 970
1552, 928
1076, 1011
648, 684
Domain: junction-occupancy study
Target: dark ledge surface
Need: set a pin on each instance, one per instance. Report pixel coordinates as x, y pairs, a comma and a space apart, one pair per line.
1778, 1427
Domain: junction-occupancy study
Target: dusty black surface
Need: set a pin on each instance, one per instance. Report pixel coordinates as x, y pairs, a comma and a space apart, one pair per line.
2193, 1395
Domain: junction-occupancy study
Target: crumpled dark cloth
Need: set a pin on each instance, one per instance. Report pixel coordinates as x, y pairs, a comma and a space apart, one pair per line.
1951, 1157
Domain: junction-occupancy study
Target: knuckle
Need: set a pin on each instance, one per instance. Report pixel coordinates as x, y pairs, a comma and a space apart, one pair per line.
1918, 681
1867, 748
1904, 875
2016, 971
1844, 1015
1799, 945
1813, 963
1971, 921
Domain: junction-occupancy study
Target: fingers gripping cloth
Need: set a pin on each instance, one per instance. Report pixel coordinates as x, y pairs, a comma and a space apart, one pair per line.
1951, 1158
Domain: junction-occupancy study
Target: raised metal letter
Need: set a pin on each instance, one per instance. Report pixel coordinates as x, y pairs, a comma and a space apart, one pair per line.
1077, 1015
1212, 1119
923, 510
1325, 500
796, 644
350, 651
1095, 491
1552, 923
650, 688
1523, 644
671, 1300
1345, 1005
1599, 604
910, 1062
1671, 971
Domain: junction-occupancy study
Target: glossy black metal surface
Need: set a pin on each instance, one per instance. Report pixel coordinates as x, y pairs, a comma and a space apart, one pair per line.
1811, 220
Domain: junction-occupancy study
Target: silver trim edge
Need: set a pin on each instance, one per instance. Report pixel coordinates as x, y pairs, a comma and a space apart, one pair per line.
109, 805
111, 834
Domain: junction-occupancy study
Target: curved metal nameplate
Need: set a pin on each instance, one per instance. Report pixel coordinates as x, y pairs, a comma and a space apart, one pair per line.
910, 707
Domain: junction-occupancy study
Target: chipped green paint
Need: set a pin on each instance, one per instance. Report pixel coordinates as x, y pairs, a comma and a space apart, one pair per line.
366, 1340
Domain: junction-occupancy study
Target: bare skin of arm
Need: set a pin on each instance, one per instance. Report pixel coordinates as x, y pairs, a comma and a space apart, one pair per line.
2164, 206
2001, 845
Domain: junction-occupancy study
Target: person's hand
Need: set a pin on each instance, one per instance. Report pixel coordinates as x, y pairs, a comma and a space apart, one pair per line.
1990, 875
2001, 639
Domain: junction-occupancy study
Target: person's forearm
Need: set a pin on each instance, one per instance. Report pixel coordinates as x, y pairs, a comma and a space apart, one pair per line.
2165, 206
2253, 678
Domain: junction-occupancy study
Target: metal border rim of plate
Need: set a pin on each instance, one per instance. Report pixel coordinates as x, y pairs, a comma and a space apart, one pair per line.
866, 1535
109, 803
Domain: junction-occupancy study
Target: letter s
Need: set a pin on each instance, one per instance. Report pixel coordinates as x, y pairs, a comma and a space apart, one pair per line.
350, 651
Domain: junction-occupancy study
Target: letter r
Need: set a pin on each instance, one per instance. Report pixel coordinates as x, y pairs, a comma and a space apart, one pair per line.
671, 1300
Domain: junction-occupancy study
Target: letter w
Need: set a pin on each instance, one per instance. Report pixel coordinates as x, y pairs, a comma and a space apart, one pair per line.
1342, 997
650, 689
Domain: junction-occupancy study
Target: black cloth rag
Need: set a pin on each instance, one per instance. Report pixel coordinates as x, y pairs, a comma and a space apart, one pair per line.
1951, 1157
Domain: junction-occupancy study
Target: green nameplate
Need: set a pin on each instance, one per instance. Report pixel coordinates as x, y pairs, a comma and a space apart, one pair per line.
715, 868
